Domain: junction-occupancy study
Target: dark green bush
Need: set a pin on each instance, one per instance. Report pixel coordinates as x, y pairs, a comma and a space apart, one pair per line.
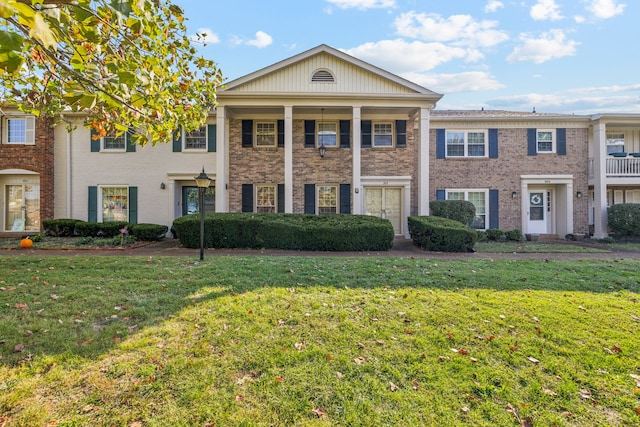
148, 232
457, 210
494, 234
441, 234
286, 231
99, 229
61, 227
514, 235
624, 219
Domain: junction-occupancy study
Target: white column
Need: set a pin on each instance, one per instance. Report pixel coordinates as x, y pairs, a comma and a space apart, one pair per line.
222, 195
288, 159
358, 204
599, 180
423, 162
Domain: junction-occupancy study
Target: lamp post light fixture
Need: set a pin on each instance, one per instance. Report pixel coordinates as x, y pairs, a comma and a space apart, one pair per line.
202, 181
321, 149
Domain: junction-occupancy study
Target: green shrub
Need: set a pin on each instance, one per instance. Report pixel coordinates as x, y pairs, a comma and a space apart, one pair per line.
441, 234
61, 227
494, 234
514, 235
148, 232
286, 231
482, 236
624, 219
457, 210
100, 229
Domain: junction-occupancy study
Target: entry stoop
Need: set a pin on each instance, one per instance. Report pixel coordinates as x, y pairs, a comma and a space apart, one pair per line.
548, 238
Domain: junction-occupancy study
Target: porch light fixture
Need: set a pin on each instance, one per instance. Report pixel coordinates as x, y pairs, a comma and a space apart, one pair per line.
162, 186
514, 195
202, 181
322, 149
579, 195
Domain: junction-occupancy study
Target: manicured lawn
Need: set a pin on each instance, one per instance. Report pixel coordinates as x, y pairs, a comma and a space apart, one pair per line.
262, 341
542, 247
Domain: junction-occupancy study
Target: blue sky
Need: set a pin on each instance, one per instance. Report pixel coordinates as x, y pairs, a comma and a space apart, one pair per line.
559, 56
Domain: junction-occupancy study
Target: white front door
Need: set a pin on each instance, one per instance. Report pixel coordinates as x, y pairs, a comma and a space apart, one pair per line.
385, 203
538, 211
22, 212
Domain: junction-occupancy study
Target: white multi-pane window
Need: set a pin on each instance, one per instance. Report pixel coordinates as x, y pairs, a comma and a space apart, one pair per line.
113, 142
328, 134
479, 200
196, 139
115, 204
327, 199
383, 134
545, 141
266, 198
265, 134
615, 142
466, 143
19, 130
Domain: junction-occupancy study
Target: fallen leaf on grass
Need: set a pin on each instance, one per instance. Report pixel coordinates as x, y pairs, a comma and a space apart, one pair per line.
319, 412
415, 384
239, 397
340, 375
637, 378
279, 379
380, 342
465, 409
637, 410
19, 348
549, 392
513, 347
393, 387
359, 360
299, 346
533, 360
526, 422
585, 394
21, 305
462, 351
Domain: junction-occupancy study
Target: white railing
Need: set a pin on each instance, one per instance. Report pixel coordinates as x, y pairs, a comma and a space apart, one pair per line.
623, 166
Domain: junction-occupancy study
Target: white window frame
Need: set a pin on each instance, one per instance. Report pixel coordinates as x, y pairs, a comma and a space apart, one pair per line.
326, 210
615, 139
266, 208
256, 126
102, 207
319, 137
186, 135
465, 143
375, 135
553, 141
103, 143
29, 132
466, 192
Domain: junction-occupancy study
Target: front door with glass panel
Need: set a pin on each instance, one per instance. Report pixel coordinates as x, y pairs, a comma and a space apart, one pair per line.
539, 210
191, 201
385, 203
22, 203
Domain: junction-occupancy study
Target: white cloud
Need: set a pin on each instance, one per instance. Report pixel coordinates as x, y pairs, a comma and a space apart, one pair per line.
545, 10
399, 56
472, 81
493, 6
363, 4
205, 35
579, 19
460, 29
261, 40
605, 9
551, 45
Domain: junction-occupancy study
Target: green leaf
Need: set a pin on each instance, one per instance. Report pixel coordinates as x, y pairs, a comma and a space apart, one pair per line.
10, 40
42, 32
87, 101
10, 62
126, 78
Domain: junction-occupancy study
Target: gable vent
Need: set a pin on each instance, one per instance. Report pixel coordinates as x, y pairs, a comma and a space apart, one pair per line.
322, 76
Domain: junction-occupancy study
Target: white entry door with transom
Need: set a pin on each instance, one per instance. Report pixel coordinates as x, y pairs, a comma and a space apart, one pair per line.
539, 210
386, 203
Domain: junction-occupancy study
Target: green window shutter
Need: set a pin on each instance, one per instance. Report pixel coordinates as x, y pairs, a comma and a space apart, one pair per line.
281, 198
93, 204
310, 133
280, 133
532, 137
561, 135
493, 143
212, 139
494, 212
130, 147
177, 140
365, 133
345, 198
133, 205
345, 133
247, 133
310, 198
247, 197
401, 133
441, 145
95, 141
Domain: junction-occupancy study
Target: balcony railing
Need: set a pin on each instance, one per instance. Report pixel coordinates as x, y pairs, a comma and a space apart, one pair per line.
619, 167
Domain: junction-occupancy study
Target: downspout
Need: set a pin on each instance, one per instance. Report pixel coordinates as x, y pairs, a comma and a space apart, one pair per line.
69, 197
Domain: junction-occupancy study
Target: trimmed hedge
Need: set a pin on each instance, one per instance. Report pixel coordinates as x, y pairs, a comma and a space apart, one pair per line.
287, 231
148, 232
433, 233
100, 229
457, 210
624, 219
61, 227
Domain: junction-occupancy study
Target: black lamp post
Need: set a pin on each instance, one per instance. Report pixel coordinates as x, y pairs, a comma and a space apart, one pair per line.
202, 181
